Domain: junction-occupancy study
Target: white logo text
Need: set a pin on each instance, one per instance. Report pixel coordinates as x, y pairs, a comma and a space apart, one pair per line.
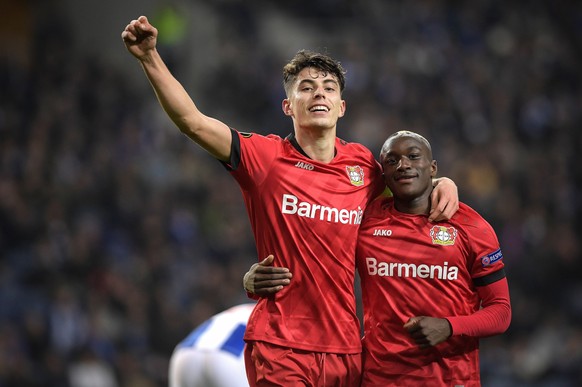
395, 269
303, 165
292, 206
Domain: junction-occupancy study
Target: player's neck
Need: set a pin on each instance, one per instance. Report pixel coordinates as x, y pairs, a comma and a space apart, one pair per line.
416, 206
319, 145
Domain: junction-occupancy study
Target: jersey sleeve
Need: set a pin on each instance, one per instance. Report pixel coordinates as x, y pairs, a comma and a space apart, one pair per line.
494, 316
250, 156
488, 275
484, 252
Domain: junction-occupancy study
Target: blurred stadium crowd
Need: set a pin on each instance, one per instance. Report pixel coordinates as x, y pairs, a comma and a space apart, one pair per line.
118, 235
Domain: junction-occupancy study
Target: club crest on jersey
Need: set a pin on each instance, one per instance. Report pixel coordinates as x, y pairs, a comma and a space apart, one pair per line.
356, 175
443, 235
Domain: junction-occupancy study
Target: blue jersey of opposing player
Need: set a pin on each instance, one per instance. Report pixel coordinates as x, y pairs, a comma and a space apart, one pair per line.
212, 354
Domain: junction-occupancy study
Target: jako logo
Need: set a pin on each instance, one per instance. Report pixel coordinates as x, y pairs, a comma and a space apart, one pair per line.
303, 165
291, 205
382, 232
395, 269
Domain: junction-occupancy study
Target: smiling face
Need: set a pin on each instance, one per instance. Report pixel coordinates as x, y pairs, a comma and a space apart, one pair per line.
314, 100
406, 159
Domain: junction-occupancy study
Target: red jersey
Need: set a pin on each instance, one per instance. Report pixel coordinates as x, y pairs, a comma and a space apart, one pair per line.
412, 267
307, 214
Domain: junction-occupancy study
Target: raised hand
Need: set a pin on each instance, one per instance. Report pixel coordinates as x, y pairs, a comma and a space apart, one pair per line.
140, 37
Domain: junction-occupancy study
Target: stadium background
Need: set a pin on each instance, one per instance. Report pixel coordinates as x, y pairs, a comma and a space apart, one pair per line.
117, 235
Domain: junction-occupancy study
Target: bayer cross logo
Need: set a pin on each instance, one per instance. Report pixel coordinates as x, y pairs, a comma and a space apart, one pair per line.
443, 235
356, 175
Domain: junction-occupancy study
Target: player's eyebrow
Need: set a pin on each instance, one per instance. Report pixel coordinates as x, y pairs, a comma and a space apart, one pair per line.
311, 81
414, 147
409, 149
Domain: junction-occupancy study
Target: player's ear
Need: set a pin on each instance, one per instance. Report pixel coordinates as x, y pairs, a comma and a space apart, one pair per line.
286, 106
342, 108
433, 168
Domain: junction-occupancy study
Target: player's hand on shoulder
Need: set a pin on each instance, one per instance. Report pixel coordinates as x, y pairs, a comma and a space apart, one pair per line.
444, 200
428, 331
264, 279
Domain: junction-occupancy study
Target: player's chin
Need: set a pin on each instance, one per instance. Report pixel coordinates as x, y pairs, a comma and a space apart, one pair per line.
404, 190
323, 122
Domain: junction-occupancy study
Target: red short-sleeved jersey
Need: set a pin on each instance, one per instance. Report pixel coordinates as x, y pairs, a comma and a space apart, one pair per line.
307, 214
412, 267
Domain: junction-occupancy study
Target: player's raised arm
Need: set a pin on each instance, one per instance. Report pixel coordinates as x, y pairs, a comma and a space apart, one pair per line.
140, 39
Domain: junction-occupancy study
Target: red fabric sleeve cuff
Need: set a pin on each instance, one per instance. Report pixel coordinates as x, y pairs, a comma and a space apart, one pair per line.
494, 316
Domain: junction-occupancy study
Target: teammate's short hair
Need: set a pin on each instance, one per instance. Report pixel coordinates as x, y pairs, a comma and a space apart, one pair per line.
405, 133
306, 58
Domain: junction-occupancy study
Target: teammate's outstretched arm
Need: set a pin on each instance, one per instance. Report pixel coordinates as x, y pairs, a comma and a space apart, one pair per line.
264, 279
140, 38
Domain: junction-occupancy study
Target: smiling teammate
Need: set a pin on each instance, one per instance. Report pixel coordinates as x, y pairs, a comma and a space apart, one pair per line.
430, 291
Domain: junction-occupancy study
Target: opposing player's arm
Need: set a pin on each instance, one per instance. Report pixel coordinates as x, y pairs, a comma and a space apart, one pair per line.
444, 199
140, 39
263, 279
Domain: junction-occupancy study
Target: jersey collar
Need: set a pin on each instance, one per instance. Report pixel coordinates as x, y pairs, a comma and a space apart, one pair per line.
291, 138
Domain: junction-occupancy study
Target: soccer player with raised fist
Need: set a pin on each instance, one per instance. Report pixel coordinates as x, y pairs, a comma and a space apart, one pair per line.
305, 195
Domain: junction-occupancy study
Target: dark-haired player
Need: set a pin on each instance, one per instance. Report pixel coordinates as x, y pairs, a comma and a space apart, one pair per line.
305, 196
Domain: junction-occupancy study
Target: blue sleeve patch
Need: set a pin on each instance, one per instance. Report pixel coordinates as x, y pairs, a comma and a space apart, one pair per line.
490, 259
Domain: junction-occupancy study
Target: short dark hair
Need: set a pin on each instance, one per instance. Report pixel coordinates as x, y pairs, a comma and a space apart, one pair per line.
405, 133
306, 58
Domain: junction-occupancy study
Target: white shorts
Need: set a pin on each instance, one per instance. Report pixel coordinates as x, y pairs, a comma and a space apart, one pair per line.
191, 367
212, 355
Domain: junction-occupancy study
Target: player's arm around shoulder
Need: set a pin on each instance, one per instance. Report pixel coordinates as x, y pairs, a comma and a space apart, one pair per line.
444, 199
263, 279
